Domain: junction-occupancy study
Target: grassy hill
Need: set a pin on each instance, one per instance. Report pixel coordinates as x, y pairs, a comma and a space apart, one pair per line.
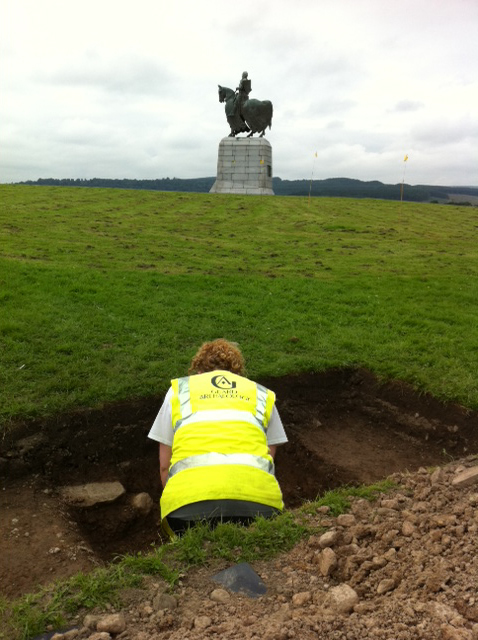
106, 294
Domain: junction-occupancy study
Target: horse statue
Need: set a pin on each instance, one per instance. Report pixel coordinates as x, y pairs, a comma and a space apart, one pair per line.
252, 116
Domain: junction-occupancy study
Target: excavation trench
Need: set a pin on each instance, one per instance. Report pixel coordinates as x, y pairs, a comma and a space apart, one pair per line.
344, 427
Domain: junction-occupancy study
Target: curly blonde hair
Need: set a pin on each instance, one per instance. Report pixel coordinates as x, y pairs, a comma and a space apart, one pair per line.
218, 354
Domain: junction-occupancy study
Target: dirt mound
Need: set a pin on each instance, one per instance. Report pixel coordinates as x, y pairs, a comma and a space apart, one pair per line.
404, 568
344, 427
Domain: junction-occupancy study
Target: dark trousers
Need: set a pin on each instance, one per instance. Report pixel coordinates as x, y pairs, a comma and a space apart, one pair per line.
216, 511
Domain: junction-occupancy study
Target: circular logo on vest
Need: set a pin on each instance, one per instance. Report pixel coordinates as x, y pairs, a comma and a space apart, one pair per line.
221, 382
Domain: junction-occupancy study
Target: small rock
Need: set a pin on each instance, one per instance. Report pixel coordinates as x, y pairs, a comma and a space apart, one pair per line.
30, 443
101, 635
408, 528
387, 584
390, 503
444, 519
437, 477
421, 506
379, 561
342, 598
346, 520
113, 623
299, 599
142, 503
313, 541
202, 622
164, 601
361, 508
391, 554
466, 478
90, 621
328, 539
385, 511
220, 595
327, 561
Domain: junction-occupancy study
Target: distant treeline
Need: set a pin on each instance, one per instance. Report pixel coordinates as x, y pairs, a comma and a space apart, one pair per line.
338, 187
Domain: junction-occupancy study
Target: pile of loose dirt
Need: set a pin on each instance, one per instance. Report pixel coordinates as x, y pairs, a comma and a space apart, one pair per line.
404, 568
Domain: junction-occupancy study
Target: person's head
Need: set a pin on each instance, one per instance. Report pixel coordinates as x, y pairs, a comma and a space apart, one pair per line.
218, 354
244, 75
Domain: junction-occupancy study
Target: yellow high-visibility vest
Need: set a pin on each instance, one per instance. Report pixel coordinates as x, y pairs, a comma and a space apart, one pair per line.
220, 446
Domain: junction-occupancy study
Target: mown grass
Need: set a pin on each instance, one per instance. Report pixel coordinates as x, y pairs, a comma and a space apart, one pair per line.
106, 294
58, 605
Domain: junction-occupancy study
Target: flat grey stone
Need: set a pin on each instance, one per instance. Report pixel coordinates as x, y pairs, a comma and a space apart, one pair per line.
241, 577
87, 495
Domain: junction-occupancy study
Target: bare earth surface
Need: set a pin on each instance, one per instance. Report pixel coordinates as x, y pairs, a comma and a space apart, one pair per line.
403, 567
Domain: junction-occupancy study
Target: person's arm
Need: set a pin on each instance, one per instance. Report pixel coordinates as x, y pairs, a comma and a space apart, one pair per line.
165, 452
162, 432
275, 433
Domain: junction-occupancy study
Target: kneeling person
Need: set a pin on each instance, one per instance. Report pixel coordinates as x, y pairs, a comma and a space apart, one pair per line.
218, 432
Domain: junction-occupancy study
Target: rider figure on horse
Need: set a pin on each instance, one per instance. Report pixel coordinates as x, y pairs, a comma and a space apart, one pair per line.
242, 93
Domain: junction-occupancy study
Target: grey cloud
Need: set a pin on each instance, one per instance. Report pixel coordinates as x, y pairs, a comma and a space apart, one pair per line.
442, 132
124, 75
408, 105
330, 106
335, 124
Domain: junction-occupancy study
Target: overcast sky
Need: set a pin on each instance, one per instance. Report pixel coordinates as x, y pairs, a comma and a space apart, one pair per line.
129, 89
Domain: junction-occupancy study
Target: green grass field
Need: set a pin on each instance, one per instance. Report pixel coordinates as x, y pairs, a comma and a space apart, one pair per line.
106, 294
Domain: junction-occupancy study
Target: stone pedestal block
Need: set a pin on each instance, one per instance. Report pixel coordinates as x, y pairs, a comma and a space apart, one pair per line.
244, 166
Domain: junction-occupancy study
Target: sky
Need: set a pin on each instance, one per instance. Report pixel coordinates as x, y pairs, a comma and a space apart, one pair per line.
103, 89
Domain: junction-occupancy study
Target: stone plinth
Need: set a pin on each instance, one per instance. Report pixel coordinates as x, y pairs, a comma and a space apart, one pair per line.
244, 165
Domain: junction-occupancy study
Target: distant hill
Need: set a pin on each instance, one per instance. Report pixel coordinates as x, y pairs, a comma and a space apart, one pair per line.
338, 187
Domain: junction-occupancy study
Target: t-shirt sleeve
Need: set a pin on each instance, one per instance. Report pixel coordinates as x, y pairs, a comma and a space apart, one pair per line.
162, 429
275, 432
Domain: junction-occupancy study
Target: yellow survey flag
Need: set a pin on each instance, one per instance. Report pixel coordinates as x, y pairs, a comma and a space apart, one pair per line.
405, 158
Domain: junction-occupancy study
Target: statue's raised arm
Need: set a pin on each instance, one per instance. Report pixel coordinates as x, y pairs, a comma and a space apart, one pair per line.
244, 114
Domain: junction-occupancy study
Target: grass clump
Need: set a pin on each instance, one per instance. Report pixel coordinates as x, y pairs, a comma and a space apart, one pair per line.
338, 500
264, 539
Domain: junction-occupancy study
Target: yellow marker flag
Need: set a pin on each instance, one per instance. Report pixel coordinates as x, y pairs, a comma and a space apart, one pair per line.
262, 161
316, 154
405, 158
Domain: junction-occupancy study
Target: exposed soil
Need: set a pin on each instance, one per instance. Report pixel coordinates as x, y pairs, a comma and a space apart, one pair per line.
404, 567
344, 427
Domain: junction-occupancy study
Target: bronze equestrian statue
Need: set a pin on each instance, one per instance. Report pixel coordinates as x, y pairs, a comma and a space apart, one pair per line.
245, 115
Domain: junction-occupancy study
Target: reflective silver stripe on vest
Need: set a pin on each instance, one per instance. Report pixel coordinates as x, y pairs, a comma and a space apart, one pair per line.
212, 459
261, 403
220, 415
184, 398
